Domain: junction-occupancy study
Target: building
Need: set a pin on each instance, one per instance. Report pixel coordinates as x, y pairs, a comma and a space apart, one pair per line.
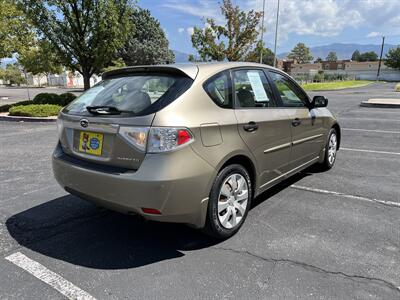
344, 69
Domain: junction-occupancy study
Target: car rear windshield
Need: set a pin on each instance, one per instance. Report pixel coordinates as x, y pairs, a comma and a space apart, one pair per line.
136, 94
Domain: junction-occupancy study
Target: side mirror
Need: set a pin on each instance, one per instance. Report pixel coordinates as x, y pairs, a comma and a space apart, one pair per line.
319, 101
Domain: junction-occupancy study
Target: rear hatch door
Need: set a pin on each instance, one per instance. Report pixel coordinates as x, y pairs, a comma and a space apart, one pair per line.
102, 125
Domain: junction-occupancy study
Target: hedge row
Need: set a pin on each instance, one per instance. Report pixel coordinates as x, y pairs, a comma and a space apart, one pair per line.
35, 110
43, 98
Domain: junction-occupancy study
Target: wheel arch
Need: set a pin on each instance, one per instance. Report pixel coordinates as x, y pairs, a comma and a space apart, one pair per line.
336, 126
244, 161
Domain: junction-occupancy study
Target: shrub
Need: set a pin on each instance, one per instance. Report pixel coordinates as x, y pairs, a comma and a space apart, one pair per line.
46, 98
35, 110
6, 107
397, 88
51, 98
67, 98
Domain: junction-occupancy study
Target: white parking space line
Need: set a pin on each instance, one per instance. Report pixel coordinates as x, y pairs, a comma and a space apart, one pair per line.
54, 280
370, 119
309, 189
370, 151
371, 130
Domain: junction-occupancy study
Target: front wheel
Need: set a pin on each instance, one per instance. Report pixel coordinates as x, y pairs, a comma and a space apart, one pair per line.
330, 150
229, 202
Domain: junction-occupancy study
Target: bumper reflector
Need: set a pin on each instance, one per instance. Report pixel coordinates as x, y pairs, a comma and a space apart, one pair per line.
151, 211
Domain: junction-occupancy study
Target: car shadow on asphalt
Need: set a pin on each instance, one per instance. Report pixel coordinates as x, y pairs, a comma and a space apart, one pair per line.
72, 230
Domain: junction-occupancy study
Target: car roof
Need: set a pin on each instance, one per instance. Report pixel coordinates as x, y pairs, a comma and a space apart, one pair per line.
189, 69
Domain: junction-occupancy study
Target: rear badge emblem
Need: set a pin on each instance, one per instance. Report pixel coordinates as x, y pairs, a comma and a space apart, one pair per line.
84, 123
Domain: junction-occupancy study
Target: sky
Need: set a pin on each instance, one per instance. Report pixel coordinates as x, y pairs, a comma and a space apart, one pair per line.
314, 22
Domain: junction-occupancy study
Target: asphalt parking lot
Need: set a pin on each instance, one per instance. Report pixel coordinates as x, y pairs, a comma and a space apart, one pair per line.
332, 235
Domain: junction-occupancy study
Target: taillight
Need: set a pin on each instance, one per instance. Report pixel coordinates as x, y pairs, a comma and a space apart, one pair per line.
163, 139
136, 136
156, 139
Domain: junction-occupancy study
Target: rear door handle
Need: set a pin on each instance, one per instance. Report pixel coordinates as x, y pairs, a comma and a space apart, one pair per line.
250, 127
296, 122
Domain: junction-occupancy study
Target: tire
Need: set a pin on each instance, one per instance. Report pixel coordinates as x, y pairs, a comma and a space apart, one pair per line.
229, 198
330, 151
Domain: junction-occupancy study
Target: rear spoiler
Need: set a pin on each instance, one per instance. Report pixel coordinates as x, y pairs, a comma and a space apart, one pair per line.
189, 70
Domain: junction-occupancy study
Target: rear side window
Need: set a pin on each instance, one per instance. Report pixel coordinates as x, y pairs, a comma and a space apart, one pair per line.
136, 94
219, 89
252, 89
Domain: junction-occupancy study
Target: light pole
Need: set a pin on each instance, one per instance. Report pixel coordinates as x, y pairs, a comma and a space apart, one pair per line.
380, 59
276, 32
262, 32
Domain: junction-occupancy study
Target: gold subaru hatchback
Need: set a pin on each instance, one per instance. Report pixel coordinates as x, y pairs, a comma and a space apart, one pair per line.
192, 143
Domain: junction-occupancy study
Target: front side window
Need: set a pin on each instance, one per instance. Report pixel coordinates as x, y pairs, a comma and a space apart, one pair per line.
252, 89
290, 95
218, 88
131, 94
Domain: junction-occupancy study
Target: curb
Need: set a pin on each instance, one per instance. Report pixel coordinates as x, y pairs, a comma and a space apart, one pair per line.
25, 119
383, 103
366, 104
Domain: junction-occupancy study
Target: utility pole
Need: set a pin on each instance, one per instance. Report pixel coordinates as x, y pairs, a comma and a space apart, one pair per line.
380, 59
262, 32
276, 32
27, 85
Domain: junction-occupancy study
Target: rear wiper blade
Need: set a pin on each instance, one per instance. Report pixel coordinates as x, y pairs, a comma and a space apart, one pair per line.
104, 110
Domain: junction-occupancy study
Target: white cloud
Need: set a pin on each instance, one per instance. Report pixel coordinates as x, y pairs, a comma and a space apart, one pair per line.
201, 9
190, 30
307, 17
395, 21
374, 34
181, 29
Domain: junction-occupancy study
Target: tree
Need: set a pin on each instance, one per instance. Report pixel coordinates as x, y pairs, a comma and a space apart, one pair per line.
41, 60
86, 34
115, 64
15, 31
393, 58
356, 56
301, 53
318, 60
369, 56
12, 74
267, 55
233, 41
332, 56
366, 56
147, 44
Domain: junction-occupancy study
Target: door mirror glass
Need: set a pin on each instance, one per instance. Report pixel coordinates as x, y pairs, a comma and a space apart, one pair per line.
320, 101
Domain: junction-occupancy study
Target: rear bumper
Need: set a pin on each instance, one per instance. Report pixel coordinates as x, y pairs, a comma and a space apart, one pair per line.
177, 184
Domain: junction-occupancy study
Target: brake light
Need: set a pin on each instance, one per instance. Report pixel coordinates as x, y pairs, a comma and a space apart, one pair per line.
183, 137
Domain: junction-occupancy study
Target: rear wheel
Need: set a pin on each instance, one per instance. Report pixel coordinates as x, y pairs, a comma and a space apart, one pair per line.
229, 202
330, 150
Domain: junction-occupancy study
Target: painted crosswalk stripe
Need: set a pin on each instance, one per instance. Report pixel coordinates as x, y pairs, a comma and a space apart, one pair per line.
57, 282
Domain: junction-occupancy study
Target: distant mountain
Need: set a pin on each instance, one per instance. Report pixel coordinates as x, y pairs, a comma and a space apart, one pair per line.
181, 57
344, 51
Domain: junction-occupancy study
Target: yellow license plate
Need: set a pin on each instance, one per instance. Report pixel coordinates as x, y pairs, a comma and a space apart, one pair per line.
91, 142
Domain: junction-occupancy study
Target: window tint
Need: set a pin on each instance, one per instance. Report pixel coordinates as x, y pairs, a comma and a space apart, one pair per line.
134, 94
290, 95
252, 89
218, 88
